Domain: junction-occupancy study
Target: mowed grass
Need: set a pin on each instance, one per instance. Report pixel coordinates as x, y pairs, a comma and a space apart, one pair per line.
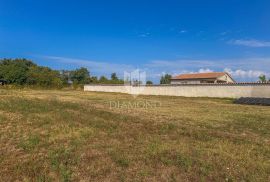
74, 135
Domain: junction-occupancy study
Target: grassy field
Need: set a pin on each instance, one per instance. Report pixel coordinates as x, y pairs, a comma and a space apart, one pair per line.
74, 135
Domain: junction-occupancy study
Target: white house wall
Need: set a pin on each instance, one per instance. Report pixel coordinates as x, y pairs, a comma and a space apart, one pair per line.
226, 78
222, 91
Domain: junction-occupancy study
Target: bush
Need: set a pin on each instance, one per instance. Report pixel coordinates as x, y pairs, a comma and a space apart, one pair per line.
24, 72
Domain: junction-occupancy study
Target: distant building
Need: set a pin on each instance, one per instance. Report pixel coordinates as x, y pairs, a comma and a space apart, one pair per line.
198, 78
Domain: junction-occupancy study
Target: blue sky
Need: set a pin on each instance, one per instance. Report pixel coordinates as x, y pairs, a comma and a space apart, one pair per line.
156, 36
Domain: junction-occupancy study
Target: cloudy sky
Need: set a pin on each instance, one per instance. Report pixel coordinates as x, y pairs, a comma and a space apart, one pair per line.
155, 36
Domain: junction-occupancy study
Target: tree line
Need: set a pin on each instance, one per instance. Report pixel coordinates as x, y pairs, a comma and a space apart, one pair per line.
26, 72
263, 79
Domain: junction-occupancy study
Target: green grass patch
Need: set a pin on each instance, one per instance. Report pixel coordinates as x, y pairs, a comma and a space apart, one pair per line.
30, 143
61, 160
120, 158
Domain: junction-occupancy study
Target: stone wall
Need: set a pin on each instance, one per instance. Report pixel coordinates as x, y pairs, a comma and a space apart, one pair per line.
188, 90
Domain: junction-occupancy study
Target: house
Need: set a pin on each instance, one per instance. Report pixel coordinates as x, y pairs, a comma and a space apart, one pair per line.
198, 78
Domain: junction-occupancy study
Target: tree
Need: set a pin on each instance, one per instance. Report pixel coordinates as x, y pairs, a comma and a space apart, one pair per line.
114, 76
262, 78
22, 71
149, 82
44, 77
103, 79
94, 79
80, 76
25, 72
14, 71
115, 79
165, 79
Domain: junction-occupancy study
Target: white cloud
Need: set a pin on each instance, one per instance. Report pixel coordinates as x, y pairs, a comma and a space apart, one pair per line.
260, 63
245, 73
242, 69
224, 33
144, 35
98, 67
183, 31
179, 64
207, 70
250, 43
201, 70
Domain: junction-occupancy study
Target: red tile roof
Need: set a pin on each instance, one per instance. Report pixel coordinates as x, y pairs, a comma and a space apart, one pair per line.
199, 76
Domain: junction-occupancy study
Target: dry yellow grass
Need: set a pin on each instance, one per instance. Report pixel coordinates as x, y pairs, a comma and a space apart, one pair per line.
73, 135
